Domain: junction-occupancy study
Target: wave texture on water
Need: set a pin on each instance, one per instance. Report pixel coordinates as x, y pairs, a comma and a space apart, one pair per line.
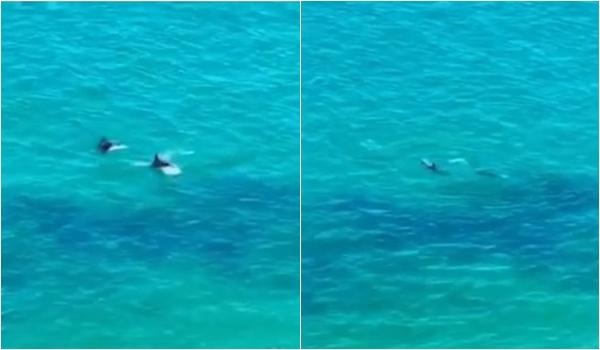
396, 256
100, 252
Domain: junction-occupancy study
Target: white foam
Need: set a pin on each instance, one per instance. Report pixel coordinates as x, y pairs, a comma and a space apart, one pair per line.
168, 155
117, 147
458, 160
171, 170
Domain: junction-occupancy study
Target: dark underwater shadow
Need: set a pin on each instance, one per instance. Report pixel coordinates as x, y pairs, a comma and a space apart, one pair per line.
222, 225
528, 228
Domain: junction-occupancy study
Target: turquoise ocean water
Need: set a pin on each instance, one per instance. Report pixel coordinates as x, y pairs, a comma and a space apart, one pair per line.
99, 252
396, 256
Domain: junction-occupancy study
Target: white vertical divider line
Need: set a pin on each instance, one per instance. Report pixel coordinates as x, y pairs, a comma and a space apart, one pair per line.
1, 5
597, 33
300, 187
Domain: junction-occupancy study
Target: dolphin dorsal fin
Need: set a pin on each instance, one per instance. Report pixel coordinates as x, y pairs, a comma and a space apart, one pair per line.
156, 162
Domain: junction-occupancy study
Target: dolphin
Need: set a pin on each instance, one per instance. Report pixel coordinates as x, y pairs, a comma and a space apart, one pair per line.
159, 163
105, 145
432, 166
166, 167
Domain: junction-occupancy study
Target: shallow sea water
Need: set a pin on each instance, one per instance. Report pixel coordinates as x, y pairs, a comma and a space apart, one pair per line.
396, 256
100, 252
